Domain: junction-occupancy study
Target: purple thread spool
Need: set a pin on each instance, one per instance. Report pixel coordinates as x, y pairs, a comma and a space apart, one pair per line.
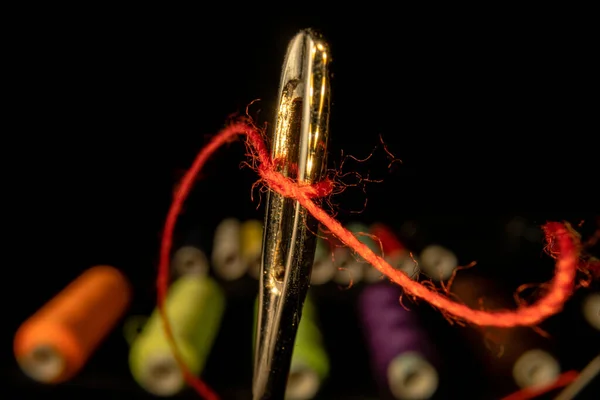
400, 354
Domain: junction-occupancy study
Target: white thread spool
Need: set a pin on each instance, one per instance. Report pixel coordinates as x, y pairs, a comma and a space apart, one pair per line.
227, 256
438, 262
323, 268
412, 377
535, 368
591, 309
189, 260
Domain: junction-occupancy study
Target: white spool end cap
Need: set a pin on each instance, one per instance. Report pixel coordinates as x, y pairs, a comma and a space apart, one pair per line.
535, 368
189, 260
227, 259
44, 364
303, 384
323, 271
412, 377
438, 262
591, 309
162, 376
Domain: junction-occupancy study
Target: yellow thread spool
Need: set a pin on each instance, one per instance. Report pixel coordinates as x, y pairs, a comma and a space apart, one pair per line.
195, 306
251, 238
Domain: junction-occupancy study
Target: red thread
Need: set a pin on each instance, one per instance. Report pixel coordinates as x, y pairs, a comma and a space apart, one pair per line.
529, 393
560, 288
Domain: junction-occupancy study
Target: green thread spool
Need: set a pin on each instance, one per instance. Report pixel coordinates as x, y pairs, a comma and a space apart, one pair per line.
195, 305
310, 363
351, 269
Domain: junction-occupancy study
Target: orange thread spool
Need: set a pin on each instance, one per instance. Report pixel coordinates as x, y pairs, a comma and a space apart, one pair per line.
55, 342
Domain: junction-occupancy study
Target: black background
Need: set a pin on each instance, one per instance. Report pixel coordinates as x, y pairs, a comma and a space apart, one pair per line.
489, 122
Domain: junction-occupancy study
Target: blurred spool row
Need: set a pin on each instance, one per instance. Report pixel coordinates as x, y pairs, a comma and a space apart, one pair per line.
406, 372
237, 250
55, 343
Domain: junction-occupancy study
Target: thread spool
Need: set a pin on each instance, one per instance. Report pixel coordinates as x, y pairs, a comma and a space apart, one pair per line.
190, 257
401, 356
350, 268
395, 253
55, 343
189, 260
323, 268
195, 305
227, 250
438, 262
521, 353
591, 309
251, 238
310, 362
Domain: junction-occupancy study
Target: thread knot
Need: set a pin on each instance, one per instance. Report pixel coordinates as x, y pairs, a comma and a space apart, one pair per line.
290, 188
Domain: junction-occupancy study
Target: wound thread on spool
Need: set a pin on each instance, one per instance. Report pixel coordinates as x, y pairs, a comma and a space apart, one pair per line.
591, 309
310, 362
519, 352
227, 254
395, 253
438, 262
351, 267
55, 343
251, 238
195, 306
323, 267
401, 355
